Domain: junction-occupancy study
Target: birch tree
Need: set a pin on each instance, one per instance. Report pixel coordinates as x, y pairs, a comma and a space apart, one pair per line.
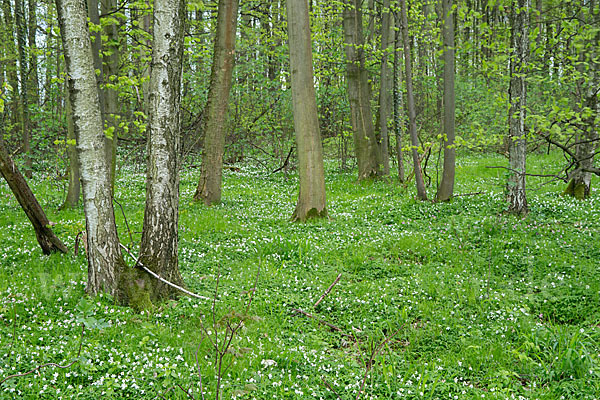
517, 142
105, 263
158, 250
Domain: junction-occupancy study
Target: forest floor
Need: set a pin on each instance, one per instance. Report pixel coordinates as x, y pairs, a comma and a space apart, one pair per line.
435, 301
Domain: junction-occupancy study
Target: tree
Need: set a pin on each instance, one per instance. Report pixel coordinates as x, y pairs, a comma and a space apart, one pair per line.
385, 100
215, 126
311, 198
17, 183
367, 149
410, 104
23, 67
158, 249
105, 263
74, 186
517, 141
446, 188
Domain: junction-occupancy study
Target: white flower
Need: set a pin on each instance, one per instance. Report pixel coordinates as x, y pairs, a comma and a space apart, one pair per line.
268, 363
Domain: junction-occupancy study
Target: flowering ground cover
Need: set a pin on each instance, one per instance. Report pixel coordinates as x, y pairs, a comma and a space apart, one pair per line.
435, 301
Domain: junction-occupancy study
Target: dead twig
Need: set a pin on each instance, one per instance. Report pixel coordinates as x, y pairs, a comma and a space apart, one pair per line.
323, 322
163, 280
330, 388
328, 290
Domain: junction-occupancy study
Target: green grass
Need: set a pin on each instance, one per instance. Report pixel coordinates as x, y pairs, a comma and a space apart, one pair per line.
483, 305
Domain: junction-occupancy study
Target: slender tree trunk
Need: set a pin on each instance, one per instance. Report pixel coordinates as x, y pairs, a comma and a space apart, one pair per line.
215, 126
398, 107
23, 66
34, 84
158, 250
11, 62
517, 142
446, 189
580, 180
311, 198
43, 233
105, 263
410, 103
359, 94
385, 90
74, 190
110, 98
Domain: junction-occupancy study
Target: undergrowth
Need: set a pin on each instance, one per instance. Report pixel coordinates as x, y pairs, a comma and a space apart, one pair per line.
459, 300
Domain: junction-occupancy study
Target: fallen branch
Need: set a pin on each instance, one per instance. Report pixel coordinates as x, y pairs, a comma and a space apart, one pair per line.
155, 275
323, 322
49, 364
328, 290
469, 194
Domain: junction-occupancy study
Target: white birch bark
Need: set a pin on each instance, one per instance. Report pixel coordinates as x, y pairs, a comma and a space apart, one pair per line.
158, 249
104, 255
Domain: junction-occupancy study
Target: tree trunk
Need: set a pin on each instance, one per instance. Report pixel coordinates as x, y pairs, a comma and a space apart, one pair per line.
158, 250
11, 62
111, 60
43, 233
311, 198
215, 126
446, 189
517, 142
410, 103
398, 118
105, 263
23, 66
34, 85
385, 100
74, 190
366, 147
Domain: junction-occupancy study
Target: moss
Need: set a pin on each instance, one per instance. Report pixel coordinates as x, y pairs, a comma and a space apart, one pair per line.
309, 214
577, 190
134, 290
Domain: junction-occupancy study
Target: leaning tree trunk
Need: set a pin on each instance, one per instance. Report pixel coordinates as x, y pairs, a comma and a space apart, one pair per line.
367, 150
446, 189
43, 233
517, 142
410, 103
385, 100
158, 250
215, 126
105, 263
311, 198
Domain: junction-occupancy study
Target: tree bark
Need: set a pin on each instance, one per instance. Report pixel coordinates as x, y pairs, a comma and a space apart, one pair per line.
158, 250
105, 263
410, 103
311, 198
366, 147
34, 89
11, 62
517, 142
74, 190
23, 66
215, 126
398, 117
385, 99
43, 233
446, 189
110, 69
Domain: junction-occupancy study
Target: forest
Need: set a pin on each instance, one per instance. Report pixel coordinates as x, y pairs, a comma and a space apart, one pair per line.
328, 199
